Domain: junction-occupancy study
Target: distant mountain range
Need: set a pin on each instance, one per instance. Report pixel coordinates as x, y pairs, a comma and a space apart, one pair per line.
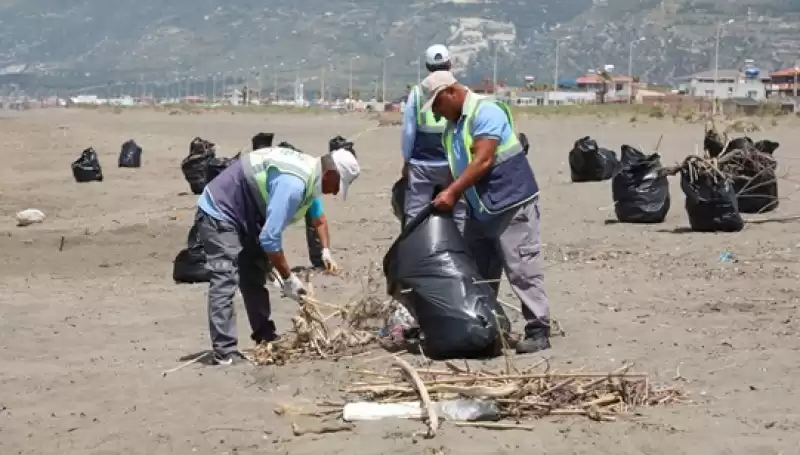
85, 42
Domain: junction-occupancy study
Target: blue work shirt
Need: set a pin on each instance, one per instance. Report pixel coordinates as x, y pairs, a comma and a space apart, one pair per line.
490, 122
285, 197
410, 132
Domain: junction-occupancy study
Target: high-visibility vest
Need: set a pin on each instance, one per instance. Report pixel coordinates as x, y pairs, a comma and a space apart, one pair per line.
508, 149
256, 166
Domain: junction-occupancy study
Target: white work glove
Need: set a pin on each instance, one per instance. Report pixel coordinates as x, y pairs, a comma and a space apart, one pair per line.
294, 288
327, 259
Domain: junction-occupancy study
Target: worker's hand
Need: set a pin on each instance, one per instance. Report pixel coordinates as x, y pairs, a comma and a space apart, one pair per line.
445, 200
330, 265
294, 288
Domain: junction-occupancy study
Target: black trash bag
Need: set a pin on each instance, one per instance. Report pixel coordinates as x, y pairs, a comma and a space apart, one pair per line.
340, 142
87, 167
640, 193
287, 145
739, 143
590, 163
711, 205
399, 199
262, 140
754, 175
523, 140
190, 263
766, 146
712, 144
215, 166
194, 165
130, 155
431, 272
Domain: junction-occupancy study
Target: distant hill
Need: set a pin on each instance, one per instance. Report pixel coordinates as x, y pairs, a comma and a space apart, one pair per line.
92, 41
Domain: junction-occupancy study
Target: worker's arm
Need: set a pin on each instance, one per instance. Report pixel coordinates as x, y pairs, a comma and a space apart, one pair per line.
409, 126
320, 223
490, 127
285, 196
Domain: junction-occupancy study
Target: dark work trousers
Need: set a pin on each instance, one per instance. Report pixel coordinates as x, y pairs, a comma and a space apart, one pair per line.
314, 243
234, 262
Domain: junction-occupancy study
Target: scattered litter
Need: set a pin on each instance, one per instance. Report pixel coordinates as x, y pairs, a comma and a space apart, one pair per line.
194, 165
30, 216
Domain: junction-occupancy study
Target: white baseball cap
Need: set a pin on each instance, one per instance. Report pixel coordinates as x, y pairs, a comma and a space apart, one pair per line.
434, 84
437, 55
348, 168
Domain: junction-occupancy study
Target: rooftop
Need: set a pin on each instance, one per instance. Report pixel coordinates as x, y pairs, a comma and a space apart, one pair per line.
786, 72
721, 74
596, 79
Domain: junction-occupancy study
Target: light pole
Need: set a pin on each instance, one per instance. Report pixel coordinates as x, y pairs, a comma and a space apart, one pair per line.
350, 93
716, 63
630, 68
383, 84
275, 81
555, 73
794, 86
494, 70
419, 70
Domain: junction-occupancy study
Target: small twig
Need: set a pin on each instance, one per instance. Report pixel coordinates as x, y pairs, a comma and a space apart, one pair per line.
322, 429
61, 245
494, 425
196, 359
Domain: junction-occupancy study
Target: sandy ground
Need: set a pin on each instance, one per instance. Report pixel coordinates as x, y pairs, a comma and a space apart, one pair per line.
86, 332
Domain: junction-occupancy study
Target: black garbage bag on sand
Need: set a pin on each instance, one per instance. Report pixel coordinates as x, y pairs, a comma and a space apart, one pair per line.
639, 190
130, 155
590, 163
430, 271
190, 263
262, 140
216, 165
710, 202
194, 165
713, 144
87, 167
753, 170
340, 142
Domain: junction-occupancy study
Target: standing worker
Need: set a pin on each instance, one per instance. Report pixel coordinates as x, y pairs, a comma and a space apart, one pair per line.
490, 168
425, 160
241, 216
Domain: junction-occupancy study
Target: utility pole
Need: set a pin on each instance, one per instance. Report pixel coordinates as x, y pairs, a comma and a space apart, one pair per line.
630, 68
494, 70
322, 86
794, 86
555, 72
716, 66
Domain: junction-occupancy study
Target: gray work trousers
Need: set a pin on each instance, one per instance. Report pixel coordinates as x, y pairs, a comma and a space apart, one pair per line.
510, 242
234, 262
422, 183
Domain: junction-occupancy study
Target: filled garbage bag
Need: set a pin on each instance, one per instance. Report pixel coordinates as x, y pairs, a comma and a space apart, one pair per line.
262, 140
194, 165
190, 263
87, 167
710, 202
590, 163
753, 171
399, 198
430, 271
216, 165
712, 144
130, 155
641, 194
340, 142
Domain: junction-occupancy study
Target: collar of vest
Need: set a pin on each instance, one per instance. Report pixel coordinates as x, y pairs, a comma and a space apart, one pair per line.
318, 179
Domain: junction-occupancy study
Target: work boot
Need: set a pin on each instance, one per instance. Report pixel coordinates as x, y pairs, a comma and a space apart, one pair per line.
231, 358
537, 337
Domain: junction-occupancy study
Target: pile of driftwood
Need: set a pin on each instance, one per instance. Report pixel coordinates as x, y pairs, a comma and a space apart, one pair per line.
533, 392
345, 330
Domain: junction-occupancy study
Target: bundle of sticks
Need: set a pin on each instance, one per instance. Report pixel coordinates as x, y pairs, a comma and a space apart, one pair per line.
523, 393
346, 330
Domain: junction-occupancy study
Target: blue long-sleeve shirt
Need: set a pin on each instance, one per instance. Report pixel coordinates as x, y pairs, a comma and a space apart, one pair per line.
410, 132
285, 197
